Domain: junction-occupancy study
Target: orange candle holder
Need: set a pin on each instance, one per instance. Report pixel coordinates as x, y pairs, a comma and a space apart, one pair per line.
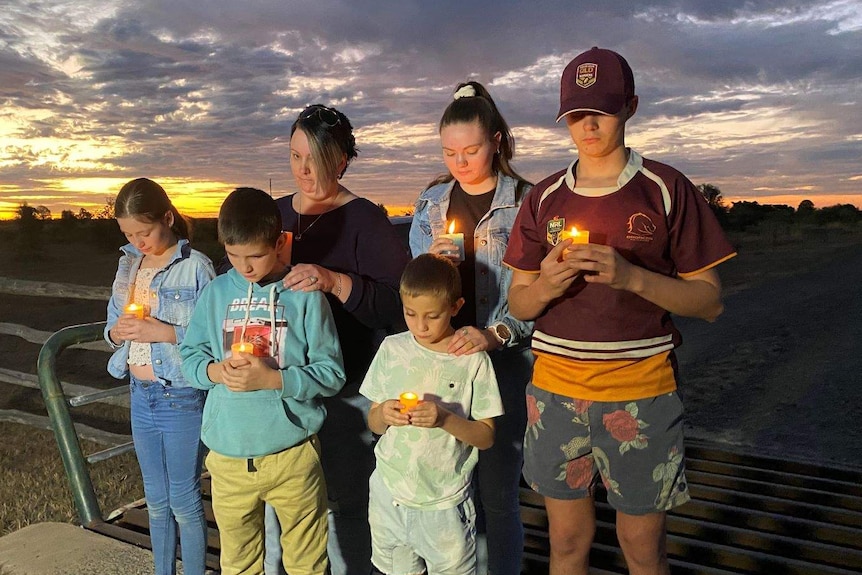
409, 400
136, 310
242, 347
577, 236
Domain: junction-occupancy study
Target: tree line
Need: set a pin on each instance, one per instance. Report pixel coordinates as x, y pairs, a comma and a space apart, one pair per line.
742, 215
737, 217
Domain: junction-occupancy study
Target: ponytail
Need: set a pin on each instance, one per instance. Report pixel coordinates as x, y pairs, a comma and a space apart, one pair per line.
472, 103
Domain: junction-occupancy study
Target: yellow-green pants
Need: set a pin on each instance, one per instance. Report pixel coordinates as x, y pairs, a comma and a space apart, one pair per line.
291, 481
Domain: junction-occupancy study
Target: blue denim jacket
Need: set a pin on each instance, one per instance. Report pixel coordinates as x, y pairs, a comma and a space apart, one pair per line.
178, 286
490, 239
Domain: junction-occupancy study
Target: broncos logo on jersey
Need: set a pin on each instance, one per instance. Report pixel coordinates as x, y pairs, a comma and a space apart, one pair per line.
640, 228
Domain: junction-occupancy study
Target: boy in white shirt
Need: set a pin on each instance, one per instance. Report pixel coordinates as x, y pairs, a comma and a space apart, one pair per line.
421, 510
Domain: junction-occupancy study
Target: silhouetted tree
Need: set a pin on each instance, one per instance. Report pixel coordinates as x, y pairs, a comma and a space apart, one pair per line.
43, 213
715, 201
84, 214
29, 238
745, 214
805, 213
841, 213
805, 206
25, 213
106, 212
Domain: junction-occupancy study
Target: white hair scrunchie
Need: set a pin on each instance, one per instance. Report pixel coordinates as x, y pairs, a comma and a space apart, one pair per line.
466, 91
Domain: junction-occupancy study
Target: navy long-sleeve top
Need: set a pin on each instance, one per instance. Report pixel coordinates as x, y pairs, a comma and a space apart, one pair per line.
356, 239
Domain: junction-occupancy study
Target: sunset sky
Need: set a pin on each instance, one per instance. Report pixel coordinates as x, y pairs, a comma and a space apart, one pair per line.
758, 97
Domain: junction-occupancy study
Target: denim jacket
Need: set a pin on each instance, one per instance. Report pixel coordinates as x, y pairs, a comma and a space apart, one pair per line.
490, 238
178, 285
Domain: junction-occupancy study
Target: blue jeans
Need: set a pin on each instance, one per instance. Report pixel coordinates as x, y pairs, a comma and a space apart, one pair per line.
166, 428
348, 460
497, 476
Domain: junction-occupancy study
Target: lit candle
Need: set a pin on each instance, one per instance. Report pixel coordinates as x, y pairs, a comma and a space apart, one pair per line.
408, 399
286, 251
136, 310
242, 347
577, 236
459, 242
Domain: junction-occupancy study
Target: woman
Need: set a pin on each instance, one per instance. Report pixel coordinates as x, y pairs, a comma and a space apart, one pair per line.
344, 246
481, 194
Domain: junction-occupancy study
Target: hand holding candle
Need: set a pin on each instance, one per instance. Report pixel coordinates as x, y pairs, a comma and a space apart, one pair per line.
135, 309
409, 400
457, 238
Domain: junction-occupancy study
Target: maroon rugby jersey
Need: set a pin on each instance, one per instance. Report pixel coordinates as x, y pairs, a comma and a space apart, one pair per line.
656, 219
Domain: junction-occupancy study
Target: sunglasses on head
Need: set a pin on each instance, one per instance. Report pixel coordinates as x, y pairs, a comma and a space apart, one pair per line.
327, 116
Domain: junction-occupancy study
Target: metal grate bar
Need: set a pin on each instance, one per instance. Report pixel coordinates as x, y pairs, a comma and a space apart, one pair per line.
110, 452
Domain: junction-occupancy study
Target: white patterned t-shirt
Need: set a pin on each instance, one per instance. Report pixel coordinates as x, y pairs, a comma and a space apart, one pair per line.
422, 467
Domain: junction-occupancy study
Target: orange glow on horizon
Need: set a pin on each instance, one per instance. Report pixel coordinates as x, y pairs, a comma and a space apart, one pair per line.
203, 198
793, 200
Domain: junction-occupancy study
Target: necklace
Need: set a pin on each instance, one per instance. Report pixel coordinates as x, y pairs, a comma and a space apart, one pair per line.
299, 231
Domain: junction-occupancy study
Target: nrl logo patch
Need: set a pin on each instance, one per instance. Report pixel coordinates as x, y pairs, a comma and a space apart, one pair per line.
555, 226
586, 75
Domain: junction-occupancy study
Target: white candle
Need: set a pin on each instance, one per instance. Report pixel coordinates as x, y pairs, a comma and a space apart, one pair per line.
458, 239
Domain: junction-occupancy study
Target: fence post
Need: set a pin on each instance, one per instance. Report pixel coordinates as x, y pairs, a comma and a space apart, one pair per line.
80, 482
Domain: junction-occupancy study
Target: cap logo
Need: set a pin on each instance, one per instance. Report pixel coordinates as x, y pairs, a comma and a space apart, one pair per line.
586, 75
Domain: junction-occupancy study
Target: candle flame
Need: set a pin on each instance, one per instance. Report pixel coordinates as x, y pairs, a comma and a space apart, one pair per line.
574, 231
451, 227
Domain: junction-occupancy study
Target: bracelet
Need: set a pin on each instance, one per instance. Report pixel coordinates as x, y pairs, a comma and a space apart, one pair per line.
337, 291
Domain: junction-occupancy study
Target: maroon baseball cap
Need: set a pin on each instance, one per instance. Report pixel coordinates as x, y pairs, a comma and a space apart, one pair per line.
597, 80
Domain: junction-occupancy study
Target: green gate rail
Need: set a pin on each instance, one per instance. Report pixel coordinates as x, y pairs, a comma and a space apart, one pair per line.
73, 458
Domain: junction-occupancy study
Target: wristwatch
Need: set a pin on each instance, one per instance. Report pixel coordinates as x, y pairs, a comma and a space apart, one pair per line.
502, 332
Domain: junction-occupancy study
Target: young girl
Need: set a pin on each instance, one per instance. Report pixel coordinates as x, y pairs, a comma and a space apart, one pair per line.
158, 281
481, 194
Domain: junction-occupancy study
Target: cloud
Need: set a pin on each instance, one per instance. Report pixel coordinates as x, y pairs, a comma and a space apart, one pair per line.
743, 94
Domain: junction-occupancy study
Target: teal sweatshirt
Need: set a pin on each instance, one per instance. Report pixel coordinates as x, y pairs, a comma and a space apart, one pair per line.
293, 332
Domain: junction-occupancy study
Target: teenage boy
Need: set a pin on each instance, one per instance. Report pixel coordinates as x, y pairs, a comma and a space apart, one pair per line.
603, 402
266, 355
421, 512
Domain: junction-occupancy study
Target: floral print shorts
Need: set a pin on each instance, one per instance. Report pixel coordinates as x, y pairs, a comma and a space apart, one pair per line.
635, 448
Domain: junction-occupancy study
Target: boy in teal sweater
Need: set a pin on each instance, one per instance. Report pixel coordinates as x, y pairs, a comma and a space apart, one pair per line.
266, 355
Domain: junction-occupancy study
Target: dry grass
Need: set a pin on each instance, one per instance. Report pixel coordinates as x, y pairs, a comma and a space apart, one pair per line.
771, 251
33, 484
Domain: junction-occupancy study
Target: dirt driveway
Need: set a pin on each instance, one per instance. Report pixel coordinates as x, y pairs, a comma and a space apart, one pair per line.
780, 372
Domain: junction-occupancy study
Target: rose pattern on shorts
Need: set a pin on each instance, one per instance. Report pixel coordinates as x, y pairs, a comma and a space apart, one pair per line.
671, 475
625, 427
578, 473
535, 408
580, 408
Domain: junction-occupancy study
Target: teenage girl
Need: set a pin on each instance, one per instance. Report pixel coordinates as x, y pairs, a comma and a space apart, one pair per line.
158, 281
480, 194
